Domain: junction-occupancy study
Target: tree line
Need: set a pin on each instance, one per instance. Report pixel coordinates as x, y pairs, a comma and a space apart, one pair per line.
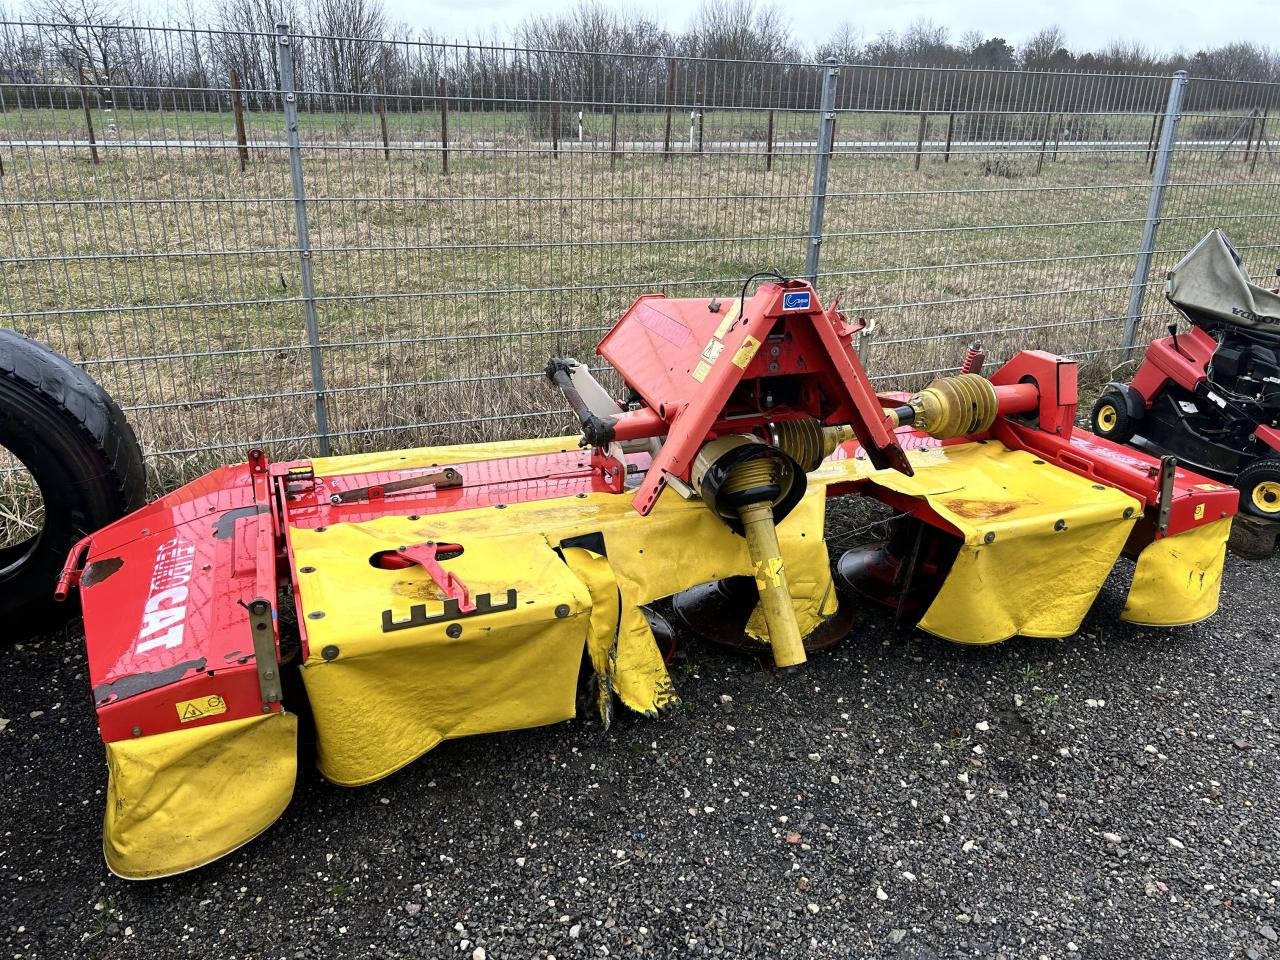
732, 54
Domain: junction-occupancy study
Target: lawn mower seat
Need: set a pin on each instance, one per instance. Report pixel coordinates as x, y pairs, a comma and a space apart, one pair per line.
1212, 287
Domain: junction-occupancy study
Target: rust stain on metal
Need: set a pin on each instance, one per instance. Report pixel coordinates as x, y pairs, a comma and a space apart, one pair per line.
979, 509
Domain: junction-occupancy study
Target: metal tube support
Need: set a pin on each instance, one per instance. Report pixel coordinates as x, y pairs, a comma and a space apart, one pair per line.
289, 92
822, 163
1159, 180
771, 581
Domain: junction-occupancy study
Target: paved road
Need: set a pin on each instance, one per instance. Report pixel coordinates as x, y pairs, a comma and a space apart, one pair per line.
1114, 795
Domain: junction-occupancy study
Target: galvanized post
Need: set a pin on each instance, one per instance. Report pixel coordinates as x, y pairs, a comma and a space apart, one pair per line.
822, 162
1159, 180
289, 91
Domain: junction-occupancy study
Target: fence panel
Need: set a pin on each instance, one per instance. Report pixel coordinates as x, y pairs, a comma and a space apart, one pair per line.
1225, 173
167, 271
470, 210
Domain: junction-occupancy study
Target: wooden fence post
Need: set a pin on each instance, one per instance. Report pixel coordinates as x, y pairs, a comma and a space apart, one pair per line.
951, 127
768, 144
444, 126
88, 115
702, 113
555, 118
1248, 140
1044, 142
613, 127
1257, 147
380, 104
924, 122
671, 86
237, 114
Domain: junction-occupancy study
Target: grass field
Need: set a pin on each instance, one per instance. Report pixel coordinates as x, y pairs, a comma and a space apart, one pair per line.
176, 276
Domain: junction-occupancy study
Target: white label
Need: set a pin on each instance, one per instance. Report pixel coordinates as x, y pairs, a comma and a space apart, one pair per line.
164, 613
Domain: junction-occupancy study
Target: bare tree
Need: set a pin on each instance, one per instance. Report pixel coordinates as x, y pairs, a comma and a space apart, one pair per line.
844, 44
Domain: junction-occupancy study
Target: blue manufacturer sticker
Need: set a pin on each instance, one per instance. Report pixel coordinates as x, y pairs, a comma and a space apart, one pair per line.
796, 301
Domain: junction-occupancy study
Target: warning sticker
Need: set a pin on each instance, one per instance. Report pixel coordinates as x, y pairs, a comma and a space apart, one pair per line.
209, 706
746, 352
710, 353
1199, 511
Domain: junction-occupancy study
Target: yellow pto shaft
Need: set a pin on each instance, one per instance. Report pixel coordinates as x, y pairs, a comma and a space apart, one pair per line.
771, 580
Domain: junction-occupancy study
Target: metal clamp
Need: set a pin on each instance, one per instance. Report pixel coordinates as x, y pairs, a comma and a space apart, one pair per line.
1168, 467
264, 652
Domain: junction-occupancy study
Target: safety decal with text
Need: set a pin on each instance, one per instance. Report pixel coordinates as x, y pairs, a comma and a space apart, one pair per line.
200, 707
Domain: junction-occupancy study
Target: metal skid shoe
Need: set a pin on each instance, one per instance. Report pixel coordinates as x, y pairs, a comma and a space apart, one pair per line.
447, 591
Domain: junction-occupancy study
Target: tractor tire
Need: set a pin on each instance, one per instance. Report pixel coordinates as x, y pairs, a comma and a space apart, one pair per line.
1111, 419
83, 456
1259, 485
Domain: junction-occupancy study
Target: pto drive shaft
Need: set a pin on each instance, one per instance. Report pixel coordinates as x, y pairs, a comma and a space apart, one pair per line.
749, 484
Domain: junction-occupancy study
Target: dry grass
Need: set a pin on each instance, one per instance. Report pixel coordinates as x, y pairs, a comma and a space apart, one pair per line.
440, 297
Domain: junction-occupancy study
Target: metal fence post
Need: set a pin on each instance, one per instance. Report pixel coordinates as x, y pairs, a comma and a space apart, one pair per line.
289, 90
822, 162
1159, 180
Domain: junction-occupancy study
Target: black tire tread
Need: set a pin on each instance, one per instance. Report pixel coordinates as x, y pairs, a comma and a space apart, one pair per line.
85, 407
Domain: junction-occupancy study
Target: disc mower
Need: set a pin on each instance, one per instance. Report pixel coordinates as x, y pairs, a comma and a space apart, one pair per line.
420, 595
1211, 395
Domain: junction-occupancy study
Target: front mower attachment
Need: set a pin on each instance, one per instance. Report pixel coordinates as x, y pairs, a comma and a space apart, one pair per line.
435, 593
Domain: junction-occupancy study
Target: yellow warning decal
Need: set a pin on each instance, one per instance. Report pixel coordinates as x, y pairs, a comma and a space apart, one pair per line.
1199, 511
1208, 486
200, 707
701, 370
746, 352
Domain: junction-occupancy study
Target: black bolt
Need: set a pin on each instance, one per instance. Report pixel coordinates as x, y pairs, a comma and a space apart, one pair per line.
453, 630
562, 611
306, 569
990, 537
315, 615
330, 652
1060, 525
259, 608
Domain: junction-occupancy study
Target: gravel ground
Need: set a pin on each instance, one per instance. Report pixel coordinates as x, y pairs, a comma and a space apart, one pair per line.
1110, 795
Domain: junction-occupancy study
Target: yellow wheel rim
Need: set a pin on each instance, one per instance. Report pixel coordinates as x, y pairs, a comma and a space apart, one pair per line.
1107, 417
1266, 496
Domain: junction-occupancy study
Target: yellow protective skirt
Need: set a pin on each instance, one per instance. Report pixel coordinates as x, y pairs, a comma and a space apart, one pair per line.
1178, 579
1038, 541
178, 800
381, 699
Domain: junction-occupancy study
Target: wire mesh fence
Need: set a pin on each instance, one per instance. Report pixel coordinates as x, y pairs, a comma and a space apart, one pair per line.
311, 242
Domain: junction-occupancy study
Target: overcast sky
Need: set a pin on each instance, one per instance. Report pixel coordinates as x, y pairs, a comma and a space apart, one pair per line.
1088, 24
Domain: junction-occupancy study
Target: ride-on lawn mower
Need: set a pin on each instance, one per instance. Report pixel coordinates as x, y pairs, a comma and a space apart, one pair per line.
1211, 395
456, 590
